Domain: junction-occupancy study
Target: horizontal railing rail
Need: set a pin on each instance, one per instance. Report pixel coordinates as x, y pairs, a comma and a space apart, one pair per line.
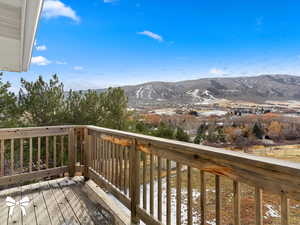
28, 154
160, 181
146, 174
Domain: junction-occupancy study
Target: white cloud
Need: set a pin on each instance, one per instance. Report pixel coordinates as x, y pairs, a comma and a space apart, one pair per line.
56, 8
61, 62
216, 71
41, 47
40, 61
109, 1
151, 35
78, 68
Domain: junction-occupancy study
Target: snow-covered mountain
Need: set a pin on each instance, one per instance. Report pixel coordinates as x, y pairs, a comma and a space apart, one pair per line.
209, 90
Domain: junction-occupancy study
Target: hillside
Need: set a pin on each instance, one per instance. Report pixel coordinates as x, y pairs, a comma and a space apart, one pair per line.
208, 90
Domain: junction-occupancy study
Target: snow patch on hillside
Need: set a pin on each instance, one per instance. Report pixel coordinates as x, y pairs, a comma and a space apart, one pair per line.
145, 92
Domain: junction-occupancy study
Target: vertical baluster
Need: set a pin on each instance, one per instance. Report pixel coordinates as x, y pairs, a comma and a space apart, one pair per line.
54, 151
76, 145
237, 203
129, 166
218, 199
111, 172
151, 185
113, 150
61, 150
125, 170
107, 160
104, 157
101, 155
134, 182
2, 157
159, 191
39, 153
97, 154
99, 150
95, 151
144, 181
178, 193
284, 209
168, 193
190, 196
259, 206
47, 152
21, 155
121, 167
116, 165
203, 198
30, 155
12, 156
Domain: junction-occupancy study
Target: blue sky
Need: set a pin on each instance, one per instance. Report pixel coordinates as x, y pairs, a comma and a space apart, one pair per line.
100, 43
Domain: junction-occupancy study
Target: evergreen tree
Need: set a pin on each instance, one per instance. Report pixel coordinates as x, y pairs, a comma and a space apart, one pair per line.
9, 113
42, 103
181, 135
258, 131
200, 137
164, 131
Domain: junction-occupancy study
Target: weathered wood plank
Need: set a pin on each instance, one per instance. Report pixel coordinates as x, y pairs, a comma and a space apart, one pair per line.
53, 208
159, 190
12, 156
40, 207
151, 185
19, 178
16, 133
121, 186
69, 215
75, 205
218, 199
178, 193
284, 209
71, 152
190, 196
16, 218
144, 181
259, 206
31, 217
39, 154
54, 151
30, 155
126, 185
203, 198
236, 203
169, 222
62, 150
22, 155
101, 181
47, 152
134, 184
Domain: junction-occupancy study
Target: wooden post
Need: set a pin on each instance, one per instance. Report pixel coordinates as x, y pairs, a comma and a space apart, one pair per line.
71, 152
135, 182
87, 143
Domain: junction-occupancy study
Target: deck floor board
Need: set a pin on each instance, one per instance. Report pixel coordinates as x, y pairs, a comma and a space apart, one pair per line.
54, 202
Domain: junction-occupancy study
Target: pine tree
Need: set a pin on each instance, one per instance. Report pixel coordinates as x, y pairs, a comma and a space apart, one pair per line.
258, 131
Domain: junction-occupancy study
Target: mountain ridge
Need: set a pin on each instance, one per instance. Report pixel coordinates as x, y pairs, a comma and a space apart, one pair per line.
208, 90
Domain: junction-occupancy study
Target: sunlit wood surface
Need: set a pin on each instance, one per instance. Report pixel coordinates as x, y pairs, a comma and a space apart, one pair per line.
53, 202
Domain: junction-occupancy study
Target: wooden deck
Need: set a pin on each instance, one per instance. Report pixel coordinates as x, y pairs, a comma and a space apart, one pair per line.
54, 202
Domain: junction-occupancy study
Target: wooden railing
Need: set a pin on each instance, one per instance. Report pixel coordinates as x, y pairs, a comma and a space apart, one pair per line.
160, 181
